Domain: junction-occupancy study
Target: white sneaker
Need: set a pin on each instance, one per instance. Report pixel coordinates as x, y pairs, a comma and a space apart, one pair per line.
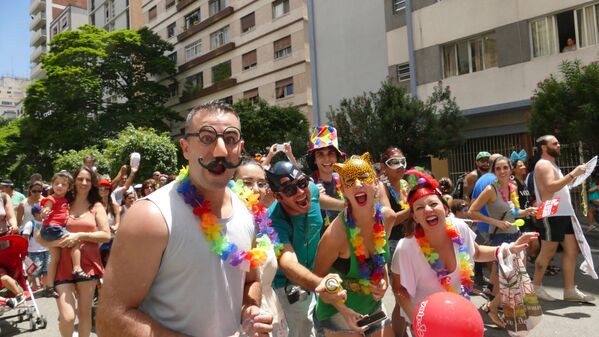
575, 295
543, 294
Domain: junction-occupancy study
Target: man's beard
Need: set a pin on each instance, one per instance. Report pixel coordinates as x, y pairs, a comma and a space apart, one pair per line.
553, 152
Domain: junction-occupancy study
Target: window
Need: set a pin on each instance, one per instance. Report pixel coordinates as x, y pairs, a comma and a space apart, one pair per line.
112, 11
470, 55
169, 4
586, 21
173, 57
193, 84
248, 22
192, 19
217, 6
92, 19
227, 100
284, 88
398, 5
64, 22
171, 30
249, 60
173, 89
152, 13
221, 72
280, 8
402, 72
252, 94
219, 38
92, 5
193, 50
282, 47
54, 30
543, 36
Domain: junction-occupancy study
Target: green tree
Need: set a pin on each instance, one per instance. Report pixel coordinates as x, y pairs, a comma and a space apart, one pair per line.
390, 116
264, 124
73, 160
157, 151
567, 104
97, 83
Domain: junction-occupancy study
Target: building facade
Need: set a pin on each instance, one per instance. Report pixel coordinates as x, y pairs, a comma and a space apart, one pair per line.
43, 13
12, 93
228, 50
70, 18
115, 14
491, 54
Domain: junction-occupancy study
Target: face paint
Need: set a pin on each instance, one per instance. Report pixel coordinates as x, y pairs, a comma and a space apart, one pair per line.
355, 168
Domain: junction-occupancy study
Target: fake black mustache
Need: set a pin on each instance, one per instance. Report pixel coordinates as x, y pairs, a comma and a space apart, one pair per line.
217, 161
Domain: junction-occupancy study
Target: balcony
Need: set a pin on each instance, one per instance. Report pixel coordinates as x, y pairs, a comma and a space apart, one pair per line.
216, 87
208, 56
37, 5
183, 3
206, 23
37, 72
38, 37
38, 21
37, 53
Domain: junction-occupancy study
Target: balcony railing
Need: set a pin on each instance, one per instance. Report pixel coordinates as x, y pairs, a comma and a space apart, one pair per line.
184, 3
206, 23
37, 37
36, 5
38, 21
37, 72
37, 53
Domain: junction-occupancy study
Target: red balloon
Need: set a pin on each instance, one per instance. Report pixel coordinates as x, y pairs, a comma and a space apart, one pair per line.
446, 314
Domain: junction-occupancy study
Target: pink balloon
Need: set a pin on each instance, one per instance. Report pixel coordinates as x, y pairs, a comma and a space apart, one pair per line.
446, 314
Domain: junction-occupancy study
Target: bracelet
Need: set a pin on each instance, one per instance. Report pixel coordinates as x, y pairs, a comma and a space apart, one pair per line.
497, 252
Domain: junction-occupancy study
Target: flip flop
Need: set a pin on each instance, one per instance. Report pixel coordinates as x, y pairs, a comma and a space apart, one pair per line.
493, 315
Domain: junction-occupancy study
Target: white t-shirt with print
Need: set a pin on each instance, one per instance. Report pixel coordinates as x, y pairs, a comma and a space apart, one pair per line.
34, 246
416, 274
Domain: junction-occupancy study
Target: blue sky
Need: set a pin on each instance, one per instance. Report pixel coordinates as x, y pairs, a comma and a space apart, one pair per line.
14, 38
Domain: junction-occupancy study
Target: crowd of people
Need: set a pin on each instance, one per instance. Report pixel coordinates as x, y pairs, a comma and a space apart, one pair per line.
237, 246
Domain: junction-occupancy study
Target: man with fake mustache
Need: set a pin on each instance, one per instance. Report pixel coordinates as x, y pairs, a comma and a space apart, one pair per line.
179, 265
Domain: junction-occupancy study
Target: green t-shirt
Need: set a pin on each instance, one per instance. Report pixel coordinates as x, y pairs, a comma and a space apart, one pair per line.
356, 300
306, 232
16, 198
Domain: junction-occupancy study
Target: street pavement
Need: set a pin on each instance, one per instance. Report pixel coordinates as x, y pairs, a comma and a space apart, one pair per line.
560, 318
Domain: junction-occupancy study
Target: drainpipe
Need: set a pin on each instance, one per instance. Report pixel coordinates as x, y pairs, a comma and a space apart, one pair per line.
313, 63
411, 55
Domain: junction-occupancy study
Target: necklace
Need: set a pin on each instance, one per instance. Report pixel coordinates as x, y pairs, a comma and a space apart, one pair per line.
335, 178
212, 230
514, 202
368, 276
396, 196
267, 236
436, 264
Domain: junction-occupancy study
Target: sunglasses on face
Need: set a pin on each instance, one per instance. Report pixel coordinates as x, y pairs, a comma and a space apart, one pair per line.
36, 191
290, 190
208, 135
396, 162
103, 188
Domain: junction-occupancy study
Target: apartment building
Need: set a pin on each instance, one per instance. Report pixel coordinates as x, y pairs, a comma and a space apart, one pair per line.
12, 93
70, 18
115, 14
228, 50
491, 54
43, 13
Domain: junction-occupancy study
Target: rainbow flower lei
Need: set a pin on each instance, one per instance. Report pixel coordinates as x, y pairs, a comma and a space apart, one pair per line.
267, 235
368, 277
513, 196
397, 197
228, 252
432, 257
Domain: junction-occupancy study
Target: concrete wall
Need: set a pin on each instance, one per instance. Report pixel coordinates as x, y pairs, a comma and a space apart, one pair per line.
350, 47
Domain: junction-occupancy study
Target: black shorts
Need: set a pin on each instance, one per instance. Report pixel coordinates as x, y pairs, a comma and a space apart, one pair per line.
555, 228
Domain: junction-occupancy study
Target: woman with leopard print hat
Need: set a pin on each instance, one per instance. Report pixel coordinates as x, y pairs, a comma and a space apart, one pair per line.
355, 247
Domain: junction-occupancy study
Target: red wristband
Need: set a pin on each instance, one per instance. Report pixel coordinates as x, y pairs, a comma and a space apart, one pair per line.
497, 253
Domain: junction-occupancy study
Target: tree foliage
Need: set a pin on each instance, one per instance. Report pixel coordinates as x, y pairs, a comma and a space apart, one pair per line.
73, 160
97, 83
390, 116
157, 151
264, 124
567, 104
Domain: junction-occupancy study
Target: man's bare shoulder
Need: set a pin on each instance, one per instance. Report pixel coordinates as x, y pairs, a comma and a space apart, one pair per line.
143, 218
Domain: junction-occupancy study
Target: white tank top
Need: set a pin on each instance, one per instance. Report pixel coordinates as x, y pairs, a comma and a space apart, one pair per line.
565, 203
194, 292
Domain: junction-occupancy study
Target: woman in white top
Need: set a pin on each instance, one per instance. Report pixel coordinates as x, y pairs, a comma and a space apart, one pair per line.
24, 208
252, 175
440, 253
